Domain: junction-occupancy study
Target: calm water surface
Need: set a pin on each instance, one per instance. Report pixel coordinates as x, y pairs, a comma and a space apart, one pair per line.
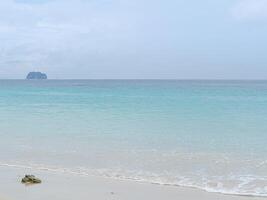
206, 134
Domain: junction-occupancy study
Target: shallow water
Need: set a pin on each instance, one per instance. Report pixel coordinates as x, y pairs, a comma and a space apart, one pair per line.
205, 134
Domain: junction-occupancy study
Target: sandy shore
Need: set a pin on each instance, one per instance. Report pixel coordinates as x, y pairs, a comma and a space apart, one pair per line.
70, 187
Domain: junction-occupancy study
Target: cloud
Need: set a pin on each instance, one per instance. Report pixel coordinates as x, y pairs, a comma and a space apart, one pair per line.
250, 10
38, 33
32, 1
96, 35
121, 38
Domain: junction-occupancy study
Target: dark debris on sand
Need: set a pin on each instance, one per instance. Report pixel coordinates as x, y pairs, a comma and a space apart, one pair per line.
30, 179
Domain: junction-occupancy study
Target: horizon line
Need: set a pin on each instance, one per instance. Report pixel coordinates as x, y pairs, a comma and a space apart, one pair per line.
144, 79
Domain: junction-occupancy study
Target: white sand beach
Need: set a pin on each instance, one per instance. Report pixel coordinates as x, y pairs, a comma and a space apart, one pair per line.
69, 187
133, 100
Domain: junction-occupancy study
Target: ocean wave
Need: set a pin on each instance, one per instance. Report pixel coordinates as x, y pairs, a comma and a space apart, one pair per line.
246, 185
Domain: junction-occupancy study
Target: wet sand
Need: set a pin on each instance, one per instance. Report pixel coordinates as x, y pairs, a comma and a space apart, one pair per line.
69, 186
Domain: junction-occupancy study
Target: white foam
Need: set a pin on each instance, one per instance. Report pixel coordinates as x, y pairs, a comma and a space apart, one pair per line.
240, 188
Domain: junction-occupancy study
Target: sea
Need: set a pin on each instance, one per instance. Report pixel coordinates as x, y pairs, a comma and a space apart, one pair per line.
206, 134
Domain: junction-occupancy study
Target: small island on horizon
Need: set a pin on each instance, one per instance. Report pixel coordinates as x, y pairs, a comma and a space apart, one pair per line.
36, 76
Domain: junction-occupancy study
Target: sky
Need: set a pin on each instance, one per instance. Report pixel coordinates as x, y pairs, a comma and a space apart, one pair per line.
134, 39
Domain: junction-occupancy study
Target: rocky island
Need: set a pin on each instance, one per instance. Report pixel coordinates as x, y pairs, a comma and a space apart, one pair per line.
36, 76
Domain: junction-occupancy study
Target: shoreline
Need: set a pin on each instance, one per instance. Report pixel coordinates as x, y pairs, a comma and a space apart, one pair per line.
58, 186
69, 172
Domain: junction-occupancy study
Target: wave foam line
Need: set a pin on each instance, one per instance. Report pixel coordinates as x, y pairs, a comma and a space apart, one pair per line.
100, 173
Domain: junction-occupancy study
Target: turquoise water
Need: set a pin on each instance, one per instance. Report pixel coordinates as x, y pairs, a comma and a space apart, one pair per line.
206, 134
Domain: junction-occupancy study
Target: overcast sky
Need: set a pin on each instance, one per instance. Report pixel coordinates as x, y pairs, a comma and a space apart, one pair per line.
180, 39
